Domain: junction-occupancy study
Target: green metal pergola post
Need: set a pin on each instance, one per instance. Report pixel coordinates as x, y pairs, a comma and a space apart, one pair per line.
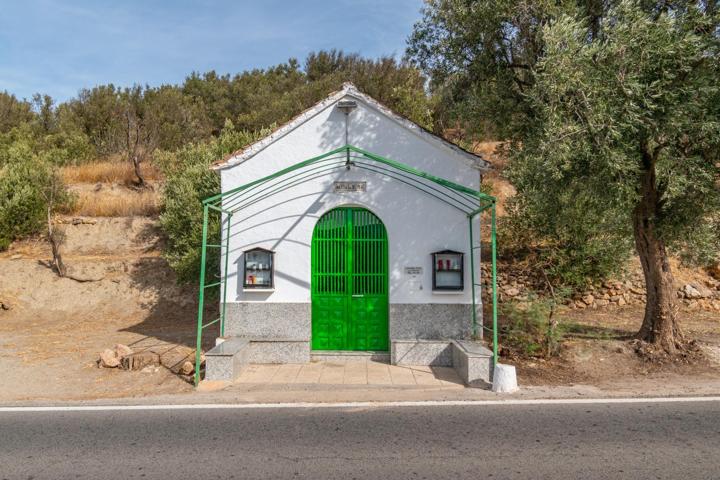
224, 275
493, 243
472, 277
201, 296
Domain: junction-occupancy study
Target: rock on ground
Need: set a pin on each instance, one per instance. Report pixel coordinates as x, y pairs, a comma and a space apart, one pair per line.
187, 368
122, 350
109, 359
696, 291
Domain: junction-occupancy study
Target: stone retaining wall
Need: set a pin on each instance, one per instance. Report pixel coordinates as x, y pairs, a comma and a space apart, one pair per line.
701, 294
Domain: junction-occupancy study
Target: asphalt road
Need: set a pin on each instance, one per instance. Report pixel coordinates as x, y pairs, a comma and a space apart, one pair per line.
661, 440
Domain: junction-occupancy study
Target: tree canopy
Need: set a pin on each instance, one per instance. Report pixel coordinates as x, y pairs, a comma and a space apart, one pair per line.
614, 117
97, 122
182, 127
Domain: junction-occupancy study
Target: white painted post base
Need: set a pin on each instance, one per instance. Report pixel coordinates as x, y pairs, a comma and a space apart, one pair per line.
504, 379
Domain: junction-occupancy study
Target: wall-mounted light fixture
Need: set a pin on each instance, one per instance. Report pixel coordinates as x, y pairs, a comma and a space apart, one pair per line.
347, 106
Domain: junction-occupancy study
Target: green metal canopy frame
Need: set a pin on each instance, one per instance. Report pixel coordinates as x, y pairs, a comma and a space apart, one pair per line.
470, 202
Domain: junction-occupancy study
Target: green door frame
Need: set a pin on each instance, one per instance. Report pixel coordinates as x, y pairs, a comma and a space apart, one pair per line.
349, 281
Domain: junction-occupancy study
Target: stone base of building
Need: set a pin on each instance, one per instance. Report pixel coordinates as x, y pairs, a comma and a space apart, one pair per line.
436, 353
411, 321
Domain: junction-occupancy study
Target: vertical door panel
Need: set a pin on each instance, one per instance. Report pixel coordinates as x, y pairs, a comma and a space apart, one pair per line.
349, 281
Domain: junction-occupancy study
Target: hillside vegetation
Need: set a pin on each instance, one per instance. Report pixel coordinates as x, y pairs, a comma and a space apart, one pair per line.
133, 136
609, 114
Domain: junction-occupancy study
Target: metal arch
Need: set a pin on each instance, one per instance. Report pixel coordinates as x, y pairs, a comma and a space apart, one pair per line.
371, 156
276, 174
260, 189
420, 173
409, 174
261, 186
308, 175
238, 196
397, 175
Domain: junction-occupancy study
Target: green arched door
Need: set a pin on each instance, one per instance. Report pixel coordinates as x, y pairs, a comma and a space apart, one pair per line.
349, 258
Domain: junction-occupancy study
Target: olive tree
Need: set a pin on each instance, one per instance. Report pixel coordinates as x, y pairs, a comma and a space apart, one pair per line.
626, 126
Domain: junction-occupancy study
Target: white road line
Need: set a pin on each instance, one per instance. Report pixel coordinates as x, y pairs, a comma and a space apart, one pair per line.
431, 403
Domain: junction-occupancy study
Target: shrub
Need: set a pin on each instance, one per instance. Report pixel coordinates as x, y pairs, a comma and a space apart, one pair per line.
572, 248
189, 181
530, 328
25, 183
67, 148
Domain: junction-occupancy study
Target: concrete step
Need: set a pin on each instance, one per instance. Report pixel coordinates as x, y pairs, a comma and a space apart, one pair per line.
472, 360
436, 353
279, 351
349, 356
226, 360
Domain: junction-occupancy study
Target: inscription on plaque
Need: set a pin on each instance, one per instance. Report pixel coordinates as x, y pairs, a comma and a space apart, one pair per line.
349, 187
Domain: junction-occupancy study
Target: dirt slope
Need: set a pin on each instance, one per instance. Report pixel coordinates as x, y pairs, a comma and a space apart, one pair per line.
55, 328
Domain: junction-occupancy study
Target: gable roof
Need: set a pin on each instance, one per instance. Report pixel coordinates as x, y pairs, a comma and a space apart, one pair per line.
348, 89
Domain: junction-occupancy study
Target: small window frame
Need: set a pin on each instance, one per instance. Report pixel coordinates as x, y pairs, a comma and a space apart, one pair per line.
460, 270
271, 269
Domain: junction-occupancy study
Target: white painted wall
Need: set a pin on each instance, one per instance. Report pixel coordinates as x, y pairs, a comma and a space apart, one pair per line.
417, 224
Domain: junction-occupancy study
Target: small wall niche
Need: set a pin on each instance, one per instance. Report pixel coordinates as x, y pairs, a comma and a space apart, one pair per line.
448, 271
259, 271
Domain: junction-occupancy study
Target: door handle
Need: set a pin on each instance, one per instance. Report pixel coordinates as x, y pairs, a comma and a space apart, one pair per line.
358, 295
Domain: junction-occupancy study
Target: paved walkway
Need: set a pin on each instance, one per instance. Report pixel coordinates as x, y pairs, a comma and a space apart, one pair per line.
350, 373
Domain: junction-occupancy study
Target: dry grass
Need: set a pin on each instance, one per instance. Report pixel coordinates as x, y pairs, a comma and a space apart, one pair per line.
130, 203
107, 172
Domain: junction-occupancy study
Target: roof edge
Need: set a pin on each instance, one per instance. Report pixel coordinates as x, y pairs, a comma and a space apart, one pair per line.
476, 161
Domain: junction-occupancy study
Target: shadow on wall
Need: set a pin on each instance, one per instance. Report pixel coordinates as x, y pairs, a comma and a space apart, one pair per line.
260, 227
369, 130
260, 295
271, 243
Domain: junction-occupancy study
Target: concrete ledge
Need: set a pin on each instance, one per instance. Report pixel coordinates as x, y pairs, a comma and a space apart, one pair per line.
343, 356
437, 353
225, 361
473, 363
279, 351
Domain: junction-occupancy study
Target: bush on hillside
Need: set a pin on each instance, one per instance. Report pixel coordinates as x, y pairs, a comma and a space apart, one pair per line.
58, 148
572, 248
189, 181
26, 183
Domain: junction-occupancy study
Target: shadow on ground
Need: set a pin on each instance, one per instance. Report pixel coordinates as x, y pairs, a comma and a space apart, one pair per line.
169, 324
594, 332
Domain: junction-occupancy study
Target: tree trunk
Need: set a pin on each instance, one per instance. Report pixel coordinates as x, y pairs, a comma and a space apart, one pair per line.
56, 239
660, 325
138, 171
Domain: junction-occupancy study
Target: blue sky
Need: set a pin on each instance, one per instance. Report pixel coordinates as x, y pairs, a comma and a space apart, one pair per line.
59, 46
